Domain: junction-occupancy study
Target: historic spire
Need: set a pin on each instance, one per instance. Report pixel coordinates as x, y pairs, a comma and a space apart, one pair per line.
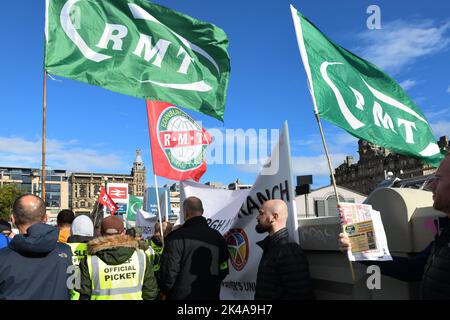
138, 159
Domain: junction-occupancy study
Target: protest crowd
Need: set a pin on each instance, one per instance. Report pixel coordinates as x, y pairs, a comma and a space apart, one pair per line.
46, 262
184, 63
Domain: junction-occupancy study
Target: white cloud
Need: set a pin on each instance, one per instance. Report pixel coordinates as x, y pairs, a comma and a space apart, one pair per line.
436, 114
448, 89
246, 146
18, 152
441, 128
316, 165
407, 84
339, 143
400, 43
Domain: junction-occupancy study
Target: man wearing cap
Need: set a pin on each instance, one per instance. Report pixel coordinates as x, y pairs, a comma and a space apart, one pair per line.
5, 233
115, 268
81, 232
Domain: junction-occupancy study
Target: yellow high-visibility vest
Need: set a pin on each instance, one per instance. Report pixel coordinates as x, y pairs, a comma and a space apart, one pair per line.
119, 282
79, 251
150, 253
158, 250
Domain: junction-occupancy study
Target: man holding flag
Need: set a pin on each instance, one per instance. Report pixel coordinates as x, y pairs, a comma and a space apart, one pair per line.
355, 95
432, 265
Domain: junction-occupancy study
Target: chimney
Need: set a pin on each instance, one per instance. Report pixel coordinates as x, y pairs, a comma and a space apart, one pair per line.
349, 161
443, 143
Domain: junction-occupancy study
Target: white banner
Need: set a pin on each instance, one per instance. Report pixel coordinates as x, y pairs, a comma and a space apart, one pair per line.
274, 182
221, 206
145, 221
233, 213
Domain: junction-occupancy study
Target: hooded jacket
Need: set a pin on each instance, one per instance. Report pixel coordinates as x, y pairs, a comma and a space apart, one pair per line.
34, 266
4, 240
115, 250
79, 239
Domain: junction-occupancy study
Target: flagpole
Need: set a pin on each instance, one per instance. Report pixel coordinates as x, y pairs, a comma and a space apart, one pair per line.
44, 121
156, 183
159, 208
330, 167
166, 213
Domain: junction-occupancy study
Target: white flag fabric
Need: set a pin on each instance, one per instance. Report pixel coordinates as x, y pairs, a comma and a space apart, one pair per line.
146, 222
221, 206
274, 182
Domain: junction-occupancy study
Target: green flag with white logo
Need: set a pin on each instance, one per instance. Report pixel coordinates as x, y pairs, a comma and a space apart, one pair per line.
134, 204
355, 95
140, 49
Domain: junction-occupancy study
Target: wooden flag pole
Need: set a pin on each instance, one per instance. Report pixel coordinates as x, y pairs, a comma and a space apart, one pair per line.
159, 208
44, 121
156, 183
330, 167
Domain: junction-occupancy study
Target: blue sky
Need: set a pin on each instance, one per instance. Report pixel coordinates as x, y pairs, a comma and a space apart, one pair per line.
93, 129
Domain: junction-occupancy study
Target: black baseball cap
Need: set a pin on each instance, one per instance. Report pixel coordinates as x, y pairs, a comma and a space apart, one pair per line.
4, 226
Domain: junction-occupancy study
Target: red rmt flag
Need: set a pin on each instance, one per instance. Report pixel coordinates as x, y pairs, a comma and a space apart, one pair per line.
178, 142
106, 200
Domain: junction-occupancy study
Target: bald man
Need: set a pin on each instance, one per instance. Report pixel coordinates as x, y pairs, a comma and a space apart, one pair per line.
283, 272
432, 265
195, 258
34, 266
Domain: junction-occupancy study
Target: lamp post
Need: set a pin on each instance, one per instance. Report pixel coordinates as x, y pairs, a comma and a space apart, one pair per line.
1, 181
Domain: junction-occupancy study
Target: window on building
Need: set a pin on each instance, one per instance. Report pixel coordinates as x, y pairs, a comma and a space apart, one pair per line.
53, 195
327, 207
319, 208
96, 189
83, 190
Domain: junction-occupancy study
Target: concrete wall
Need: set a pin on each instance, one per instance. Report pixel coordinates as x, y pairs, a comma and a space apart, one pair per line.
408, 218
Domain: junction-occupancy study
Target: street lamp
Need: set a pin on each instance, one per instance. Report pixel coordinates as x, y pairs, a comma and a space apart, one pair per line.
2, 171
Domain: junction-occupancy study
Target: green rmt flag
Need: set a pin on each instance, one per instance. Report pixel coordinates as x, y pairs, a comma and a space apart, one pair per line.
140, 49
134, 205
355, 95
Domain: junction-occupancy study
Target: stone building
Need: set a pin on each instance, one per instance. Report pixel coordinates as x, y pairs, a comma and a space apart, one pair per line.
76, 190
86, 186
377, 163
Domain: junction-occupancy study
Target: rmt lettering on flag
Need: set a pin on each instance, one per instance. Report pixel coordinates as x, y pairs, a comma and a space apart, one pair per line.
173, 139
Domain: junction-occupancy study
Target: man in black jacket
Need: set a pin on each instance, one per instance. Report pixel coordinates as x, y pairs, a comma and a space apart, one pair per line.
195, 258
34, 266
432, 265
283, 272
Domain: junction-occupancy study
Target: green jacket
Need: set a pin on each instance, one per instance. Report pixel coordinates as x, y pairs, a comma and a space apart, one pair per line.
157, 247
115, 250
